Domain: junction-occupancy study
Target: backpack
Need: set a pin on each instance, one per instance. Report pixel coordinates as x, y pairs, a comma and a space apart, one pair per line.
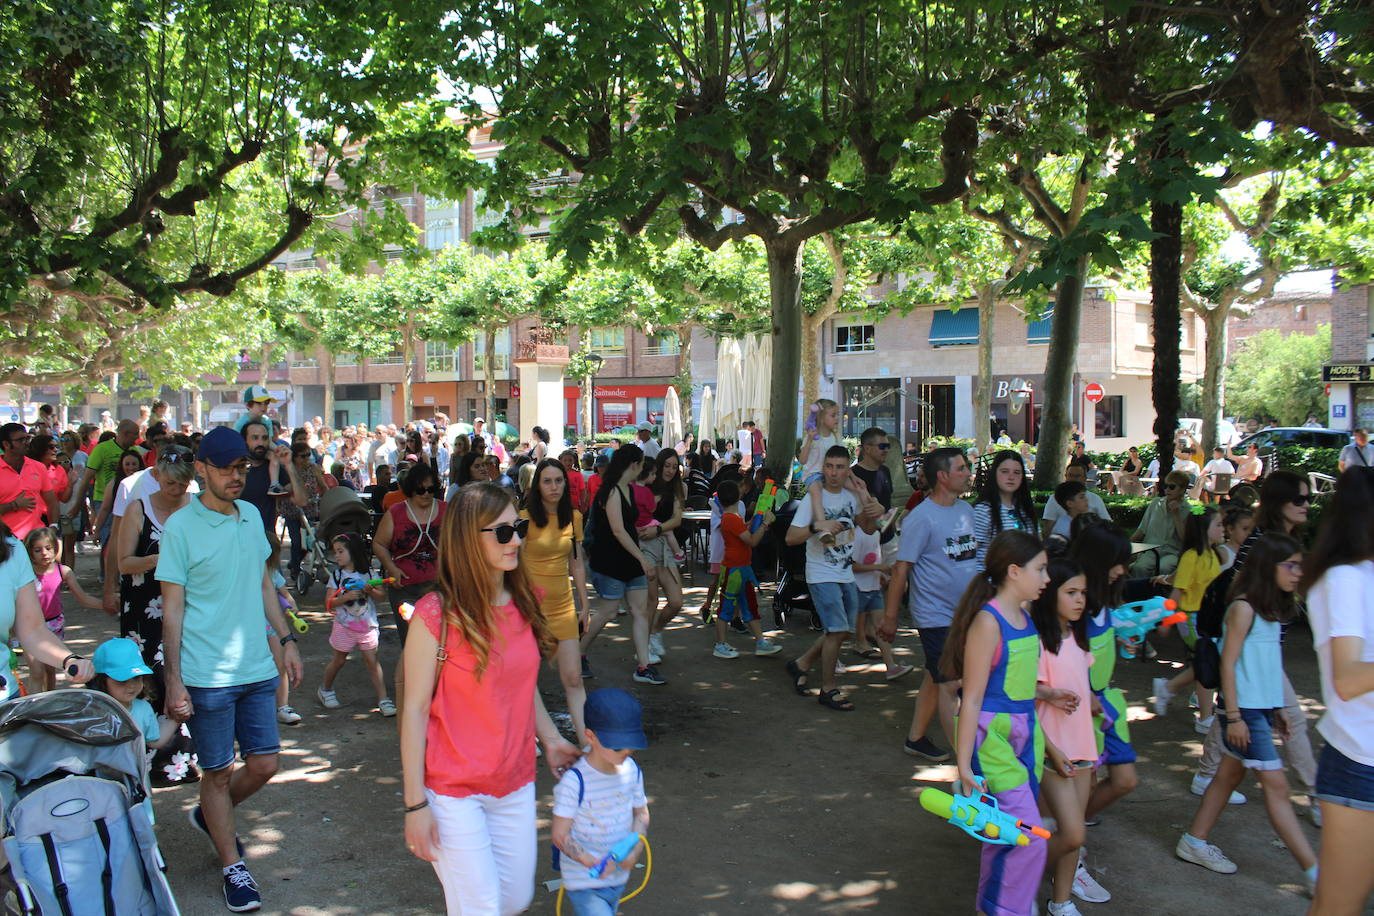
1212, 611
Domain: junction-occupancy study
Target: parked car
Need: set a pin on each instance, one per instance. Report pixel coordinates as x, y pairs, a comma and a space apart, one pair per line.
1271, 440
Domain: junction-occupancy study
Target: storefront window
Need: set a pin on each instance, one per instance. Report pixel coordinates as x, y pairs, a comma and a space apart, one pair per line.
1109, 417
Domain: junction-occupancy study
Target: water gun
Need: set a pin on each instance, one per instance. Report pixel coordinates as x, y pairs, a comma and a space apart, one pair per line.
980, 818
619, 853
297, 624
354, 586
766, 501
1132, 621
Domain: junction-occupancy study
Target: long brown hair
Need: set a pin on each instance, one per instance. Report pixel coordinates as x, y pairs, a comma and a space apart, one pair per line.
464, 578
1008, 549
1255, 581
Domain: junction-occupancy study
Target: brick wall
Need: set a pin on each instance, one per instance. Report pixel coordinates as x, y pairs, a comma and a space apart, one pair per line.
1296, 313
1350, 324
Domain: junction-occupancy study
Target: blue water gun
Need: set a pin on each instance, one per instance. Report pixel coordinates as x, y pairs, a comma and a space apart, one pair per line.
981, 818
1137, 618
619, 853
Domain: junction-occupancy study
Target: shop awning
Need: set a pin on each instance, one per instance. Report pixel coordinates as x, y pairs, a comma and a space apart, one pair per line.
952, 329
1039, 331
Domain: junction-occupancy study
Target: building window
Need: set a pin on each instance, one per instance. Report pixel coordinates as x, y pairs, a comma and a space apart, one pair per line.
472, 407
1039, 330
394, 358
1300, 312
501, 361
1144, 325
663, 343
949, 328
608, 341
1187, 331
441, 223
440, 357
1109, 417
854, 338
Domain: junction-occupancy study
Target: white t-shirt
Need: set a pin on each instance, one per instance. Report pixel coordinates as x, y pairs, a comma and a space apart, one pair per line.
604, 817
1054, 511
1342, 604
139, 485
649, 447
867, 549
830, 562
816, 457
1217, 466
744, 441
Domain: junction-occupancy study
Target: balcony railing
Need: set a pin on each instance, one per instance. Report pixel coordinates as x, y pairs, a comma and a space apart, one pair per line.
395, 359
305, 362
671, 349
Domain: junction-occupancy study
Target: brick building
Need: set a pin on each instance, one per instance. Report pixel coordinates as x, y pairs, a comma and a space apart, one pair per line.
1294, 311
1350, 373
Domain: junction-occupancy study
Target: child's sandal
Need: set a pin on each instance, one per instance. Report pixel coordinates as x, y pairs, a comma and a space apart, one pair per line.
836, 700
798, 677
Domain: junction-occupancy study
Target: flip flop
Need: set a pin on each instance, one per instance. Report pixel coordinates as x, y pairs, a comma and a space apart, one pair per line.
798, 677
870, 653
836, 700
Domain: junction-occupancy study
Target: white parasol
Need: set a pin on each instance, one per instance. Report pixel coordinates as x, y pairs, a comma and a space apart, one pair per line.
729, 388
706, 428
672, 418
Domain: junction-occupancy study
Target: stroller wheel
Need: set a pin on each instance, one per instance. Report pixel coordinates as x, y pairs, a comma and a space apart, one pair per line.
304, 578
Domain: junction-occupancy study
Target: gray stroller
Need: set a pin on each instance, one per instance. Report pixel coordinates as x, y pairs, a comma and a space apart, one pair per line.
341, 510
73, 780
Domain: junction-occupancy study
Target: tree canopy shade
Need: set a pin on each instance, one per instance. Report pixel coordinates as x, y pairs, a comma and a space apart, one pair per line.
783, 119
155, 153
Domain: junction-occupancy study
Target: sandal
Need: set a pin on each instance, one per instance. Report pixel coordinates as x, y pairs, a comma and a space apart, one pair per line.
870, 652
798, 677
836, 700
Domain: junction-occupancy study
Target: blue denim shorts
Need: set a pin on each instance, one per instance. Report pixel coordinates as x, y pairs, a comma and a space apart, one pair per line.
609, 587
247, 712
1260, 753
837, 604
1343, 781
871, 601
596, 901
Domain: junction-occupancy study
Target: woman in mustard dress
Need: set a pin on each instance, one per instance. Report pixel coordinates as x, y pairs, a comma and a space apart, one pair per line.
551, 555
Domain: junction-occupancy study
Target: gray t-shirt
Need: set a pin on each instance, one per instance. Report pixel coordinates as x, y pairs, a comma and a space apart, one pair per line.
939, 544
830, 562
1356, 457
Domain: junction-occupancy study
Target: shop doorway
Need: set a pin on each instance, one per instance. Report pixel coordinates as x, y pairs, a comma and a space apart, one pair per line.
870, 402
934, 412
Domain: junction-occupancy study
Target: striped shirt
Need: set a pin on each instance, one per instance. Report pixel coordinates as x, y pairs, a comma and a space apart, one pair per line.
982, 527
603, 818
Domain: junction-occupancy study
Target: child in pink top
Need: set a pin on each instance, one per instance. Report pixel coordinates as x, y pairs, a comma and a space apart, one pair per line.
1063, 704
51, 576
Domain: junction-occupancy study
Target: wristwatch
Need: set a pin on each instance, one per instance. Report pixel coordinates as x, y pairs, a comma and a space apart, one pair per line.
289, 637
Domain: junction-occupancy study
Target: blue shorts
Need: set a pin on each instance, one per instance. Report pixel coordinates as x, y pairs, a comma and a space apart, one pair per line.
1115, 743
871, 601
611, 588
247, 712
104, 532
596, 901
1260, 753
1342, 781
739, 593
933, 645
837, 604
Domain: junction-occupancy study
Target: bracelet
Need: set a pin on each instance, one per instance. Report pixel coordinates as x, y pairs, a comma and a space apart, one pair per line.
411, 809
289, 637
69, 658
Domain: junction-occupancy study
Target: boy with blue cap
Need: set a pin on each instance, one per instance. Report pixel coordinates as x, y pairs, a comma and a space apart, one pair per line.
599, 801
120, 672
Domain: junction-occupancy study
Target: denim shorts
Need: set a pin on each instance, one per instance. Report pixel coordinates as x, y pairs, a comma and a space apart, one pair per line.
596, 901
871, 601
247, 712
1343, 781
1260, 753
611, 588
933, 644
837, 604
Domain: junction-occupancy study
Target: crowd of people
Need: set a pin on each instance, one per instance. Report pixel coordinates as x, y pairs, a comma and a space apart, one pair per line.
506, 557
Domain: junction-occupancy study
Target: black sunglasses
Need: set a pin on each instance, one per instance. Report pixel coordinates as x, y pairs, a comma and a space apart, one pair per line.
505, 532
435, 490
1301, 500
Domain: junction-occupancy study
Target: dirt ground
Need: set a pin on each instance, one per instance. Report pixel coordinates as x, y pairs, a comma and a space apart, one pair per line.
763, 802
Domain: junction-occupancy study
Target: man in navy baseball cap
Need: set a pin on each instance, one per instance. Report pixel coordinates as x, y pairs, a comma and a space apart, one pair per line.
221, 447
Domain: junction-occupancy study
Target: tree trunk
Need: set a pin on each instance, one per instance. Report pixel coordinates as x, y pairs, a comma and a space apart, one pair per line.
784, 286
489, 373
982, 391
197, 403
328, 386
684, 373
408, 378
811, 356
1052, 447
588, 387
1214, 373
1166, 264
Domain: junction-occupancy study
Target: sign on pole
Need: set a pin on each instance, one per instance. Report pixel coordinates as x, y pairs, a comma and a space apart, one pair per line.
1093, 393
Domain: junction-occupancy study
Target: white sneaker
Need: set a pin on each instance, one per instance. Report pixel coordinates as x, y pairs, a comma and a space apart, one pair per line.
287, 716
328, 698
1067, 908
387, 707
1203, 726
1199, 788
766, 647
1206, 855
723, 650
1162, 696
1086, 888
656, 644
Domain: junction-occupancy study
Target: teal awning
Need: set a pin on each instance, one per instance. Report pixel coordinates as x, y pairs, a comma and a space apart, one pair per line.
952, 329
1039, 331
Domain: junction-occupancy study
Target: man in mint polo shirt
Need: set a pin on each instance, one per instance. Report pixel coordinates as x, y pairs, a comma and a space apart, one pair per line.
217, 602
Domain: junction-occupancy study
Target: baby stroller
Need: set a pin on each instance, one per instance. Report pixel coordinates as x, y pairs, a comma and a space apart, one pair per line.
341, 510
791, 596
73, 781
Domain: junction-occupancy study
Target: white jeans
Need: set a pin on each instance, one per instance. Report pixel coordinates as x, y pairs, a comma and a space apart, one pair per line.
487, 850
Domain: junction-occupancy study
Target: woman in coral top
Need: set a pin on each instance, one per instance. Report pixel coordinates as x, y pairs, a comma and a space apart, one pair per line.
471, 713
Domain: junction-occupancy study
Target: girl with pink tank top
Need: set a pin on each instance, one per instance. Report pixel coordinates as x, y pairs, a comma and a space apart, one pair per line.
51, 575
1063, 705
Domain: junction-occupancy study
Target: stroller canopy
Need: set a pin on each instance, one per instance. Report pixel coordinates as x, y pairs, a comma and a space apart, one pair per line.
343, 510
74, 730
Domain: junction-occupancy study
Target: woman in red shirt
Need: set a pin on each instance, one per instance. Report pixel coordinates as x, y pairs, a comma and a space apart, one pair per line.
472, 711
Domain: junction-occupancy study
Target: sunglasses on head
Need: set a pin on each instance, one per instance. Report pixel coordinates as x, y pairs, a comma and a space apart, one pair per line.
505, 532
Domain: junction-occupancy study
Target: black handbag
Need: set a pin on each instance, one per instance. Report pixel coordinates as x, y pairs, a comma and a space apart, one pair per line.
1207, 662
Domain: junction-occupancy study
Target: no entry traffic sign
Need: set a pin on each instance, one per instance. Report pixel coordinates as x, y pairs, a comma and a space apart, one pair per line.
1093, 393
